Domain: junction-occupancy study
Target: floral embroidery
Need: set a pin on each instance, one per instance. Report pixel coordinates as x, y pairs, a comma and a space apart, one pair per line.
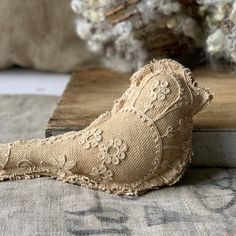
184, 127
26, 164
61, 165
158, 91
2, 172
113, 151
90, 138
102, 173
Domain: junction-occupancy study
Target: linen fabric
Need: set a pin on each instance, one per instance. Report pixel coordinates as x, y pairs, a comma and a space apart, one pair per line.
203, 203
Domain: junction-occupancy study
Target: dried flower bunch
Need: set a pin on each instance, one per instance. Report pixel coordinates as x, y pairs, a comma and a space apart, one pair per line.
219, 21
127, 33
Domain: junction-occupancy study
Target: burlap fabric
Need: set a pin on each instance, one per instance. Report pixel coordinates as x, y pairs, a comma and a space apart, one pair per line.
142, 144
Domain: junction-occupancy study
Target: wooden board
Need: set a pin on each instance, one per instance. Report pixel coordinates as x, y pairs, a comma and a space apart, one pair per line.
221, 113
92, 91
89, 93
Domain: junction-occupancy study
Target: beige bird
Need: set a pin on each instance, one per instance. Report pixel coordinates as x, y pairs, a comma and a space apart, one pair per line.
142, 144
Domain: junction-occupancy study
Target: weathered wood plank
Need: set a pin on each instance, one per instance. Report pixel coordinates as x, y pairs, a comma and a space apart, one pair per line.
88, 94
221, 113
92, 91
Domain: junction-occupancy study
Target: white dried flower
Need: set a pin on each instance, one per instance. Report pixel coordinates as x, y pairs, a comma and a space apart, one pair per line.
232, 16
94, 16
123, 28
171, 8
94, 46
220, 20
77, 6
83, 29
215, 42
118, 42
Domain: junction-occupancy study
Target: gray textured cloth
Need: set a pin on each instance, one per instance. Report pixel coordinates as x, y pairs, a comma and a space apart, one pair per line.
202, 203
24, 116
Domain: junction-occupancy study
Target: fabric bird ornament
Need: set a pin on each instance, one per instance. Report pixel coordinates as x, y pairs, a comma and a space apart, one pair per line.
143, 143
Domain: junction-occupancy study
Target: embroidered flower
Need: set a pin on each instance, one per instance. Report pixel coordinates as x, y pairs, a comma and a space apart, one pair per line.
113, 151
2, 172
61, 165
26, 164
90, 138
102, 173
159, 90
